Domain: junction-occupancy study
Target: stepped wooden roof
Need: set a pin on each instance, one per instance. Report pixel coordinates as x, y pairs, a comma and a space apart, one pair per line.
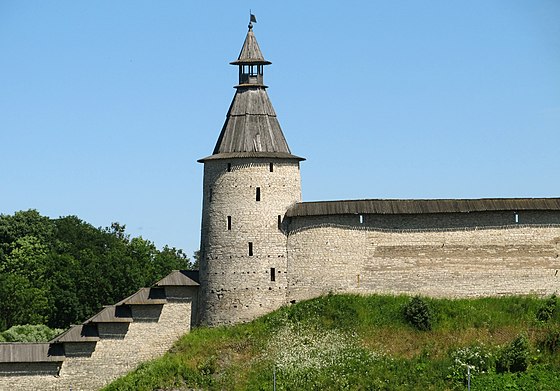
145, 296
180, 278
77, 333
29, 352
395, 206
111, 314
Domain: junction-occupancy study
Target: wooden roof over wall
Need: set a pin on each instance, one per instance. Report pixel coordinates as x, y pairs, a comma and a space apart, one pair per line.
145, 296
180, 278
380, 206
28, 352
77, 333
111, 314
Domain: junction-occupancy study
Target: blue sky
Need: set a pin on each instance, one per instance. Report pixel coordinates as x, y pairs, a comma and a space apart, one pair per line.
105, 106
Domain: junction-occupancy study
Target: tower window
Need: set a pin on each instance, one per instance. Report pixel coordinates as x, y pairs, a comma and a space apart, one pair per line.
516, 217
361, 219
229, 167
250, 249
210, 195
258, 194
229, 223
279, 221
271, 167
272, 274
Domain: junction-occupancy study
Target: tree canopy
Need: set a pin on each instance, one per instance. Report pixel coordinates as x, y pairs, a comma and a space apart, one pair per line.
61, 271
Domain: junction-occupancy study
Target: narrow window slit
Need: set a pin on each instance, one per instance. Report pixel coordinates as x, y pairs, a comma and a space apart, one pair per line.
229, 167
250, 249
272, 274
210, 195
258, 195
271, 167
279, 221
516, 216
229, 223
361, 219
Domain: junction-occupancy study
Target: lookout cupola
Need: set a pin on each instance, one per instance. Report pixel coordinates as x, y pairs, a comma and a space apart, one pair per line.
250, 181
251, 62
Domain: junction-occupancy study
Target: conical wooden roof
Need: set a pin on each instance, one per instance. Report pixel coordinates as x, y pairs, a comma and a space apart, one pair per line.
251, 125
250, 52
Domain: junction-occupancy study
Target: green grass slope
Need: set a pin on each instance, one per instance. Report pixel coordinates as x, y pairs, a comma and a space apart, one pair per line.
347, 342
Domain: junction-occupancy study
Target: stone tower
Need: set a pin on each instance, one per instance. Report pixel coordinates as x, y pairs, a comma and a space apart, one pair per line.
250, 180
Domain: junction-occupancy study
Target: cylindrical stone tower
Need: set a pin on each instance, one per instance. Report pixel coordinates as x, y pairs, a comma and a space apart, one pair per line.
250, 180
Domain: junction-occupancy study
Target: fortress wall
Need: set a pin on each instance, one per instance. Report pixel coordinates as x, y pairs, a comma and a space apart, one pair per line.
409, 254
112, 358
237, 286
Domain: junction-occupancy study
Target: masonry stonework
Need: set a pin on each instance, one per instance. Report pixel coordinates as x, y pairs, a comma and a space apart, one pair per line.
484, 257
237, 285
111, 358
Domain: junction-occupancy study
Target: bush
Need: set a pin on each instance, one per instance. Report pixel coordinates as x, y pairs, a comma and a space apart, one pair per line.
418, 314
547, 310
29, 333
551, 341
477, 357
514, 357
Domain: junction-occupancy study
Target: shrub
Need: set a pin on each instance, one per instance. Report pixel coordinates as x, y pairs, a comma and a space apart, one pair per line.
29, 333
514, 357
418, 314
551, 341
477, 357
547, 310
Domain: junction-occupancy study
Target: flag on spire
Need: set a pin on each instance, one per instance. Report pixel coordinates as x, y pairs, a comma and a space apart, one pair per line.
253, 18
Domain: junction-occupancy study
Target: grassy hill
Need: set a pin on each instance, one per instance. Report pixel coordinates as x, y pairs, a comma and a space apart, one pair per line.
346, 342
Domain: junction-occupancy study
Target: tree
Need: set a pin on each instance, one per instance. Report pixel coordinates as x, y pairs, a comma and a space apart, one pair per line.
61, 271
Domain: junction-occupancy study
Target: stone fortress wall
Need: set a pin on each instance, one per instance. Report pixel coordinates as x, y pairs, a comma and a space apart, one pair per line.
107, 346
440, 255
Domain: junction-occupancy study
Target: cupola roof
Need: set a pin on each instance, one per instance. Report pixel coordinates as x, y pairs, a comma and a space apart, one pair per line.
250, 52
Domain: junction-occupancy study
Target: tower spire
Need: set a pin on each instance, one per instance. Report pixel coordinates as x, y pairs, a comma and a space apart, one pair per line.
251, 125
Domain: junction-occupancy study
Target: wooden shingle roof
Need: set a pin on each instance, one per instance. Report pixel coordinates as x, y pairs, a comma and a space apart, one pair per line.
251, 125
250, 52
380, 206
180, 278
78, 333
145, 296
111, 314
29, 352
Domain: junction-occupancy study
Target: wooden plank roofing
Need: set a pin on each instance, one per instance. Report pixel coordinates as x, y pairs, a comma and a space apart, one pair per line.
180, 278
250, 52
28, 352
78, 333
380, 206
145, 296
111, 314
262, 155
251, 125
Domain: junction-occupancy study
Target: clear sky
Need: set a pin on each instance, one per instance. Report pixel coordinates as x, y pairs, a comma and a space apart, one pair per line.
105, 105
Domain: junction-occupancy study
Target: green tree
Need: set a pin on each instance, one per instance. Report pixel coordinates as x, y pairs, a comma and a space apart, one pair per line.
418, 314
61, 271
